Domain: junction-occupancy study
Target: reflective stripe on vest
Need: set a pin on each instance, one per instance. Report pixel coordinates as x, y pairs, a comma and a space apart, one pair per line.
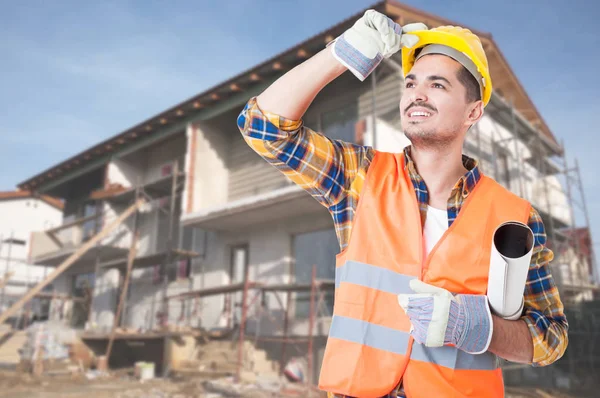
374, 277
369, 334
391, 340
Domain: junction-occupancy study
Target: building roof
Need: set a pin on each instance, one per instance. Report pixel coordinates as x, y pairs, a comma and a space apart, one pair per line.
505, 82
22, 194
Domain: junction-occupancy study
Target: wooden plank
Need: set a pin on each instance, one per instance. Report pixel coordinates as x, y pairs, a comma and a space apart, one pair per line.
69, 261
185, 253
211, 291
51, 296
132, 253
6, 278
141, 336
108, 193
54, 239
73, 223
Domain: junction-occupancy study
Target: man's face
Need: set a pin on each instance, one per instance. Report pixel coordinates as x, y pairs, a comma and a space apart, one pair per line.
433, 108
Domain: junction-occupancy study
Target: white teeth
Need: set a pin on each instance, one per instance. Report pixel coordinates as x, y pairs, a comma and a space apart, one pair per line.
420, 114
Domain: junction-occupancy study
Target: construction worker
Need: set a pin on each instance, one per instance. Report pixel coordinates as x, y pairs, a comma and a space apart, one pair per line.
411, 317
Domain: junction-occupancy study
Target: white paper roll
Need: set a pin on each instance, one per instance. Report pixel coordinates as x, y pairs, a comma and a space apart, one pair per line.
512, 248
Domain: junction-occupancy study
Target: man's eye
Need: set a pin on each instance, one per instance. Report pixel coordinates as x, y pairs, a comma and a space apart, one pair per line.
437, 85
409, 85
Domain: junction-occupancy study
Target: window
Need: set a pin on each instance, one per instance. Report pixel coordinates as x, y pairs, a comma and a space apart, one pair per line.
194, 239
340, 124
314, 248
92, 226
239, 264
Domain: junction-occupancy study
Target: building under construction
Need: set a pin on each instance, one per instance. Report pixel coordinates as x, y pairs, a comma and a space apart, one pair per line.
175, 225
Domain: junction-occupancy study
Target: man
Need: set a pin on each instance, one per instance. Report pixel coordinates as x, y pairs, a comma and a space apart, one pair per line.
411, 317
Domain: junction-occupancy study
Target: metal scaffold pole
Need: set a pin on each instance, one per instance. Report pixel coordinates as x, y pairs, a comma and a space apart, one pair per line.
516, 148
586, 216
311, 326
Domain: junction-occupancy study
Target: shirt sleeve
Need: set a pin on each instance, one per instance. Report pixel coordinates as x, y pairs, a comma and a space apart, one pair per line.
543, 307
324, 167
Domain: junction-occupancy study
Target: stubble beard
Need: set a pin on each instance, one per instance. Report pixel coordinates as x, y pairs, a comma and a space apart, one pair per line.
430, 138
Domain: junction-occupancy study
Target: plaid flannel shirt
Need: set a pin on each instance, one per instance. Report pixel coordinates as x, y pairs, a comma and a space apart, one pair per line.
333, 172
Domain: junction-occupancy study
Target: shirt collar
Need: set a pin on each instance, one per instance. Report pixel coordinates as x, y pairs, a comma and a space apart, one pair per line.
466, 183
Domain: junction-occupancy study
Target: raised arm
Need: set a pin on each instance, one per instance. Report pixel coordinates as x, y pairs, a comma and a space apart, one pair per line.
271, 123
291, 94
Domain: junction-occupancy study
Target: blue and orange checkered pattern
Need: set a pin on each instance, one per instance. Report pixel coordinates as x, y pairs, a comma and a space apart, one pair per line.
333, 172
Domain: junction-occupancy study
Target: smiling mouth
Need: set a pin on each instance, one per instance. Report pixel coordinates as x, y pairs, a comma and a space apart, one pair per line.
419, 115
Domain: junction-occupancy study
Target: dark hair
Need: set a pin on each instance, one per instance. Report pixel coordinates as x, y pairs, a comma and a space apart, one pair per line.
470, 83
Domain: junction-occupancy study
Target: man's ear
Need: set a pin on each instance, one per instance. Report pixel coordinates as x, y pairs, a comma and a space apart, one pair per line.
475, 113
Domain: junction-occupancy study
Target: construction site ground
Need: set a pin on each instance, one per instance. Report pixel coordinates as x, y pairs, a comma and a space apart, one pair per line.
15, 384
20, 385
207, 371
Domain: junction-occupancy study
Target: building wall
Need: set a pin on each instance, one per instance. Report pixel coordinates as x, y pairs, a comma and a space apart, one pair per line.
105, 299
20, 218
126, 172
206, 165
160, 157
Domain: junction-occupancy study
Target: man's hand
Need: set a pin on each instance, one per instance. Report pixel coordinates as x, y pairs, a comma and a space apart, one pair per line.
440, 318
373, 37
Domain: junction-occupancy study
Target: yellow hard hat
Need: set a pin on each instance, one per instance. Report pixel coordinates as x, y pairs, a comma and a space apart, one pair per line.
458, 43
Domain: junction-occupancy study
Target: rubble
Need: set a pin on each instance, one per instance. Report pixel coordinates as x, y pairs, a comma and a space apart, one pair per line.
47, 340
219, 358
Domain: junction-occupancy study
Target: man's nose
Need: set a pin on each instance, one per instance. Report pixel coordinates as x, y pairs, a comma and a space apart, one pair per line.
418, 94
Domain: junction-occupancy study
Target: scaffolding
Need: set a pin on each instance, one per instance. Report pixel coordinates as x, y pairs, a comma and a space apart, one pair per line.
561, 236
13, 281
69, 262
253, 297
163, 193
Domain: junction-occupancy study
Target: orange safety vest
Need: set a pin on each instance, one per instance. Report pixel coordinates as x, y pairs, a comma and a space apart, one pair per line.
369, 349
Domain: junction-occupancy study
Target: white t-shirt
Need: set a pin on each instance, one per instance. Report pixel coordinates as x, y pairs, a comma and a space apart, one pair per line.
435, 226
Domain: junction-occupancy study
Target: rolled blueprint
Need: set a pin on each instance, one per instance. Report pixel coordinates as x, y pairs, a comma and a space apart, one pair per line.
512, 248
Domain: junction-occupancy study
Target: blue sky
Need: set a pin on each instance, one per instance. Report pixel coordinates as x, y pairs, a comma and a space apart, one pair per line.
74, 73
